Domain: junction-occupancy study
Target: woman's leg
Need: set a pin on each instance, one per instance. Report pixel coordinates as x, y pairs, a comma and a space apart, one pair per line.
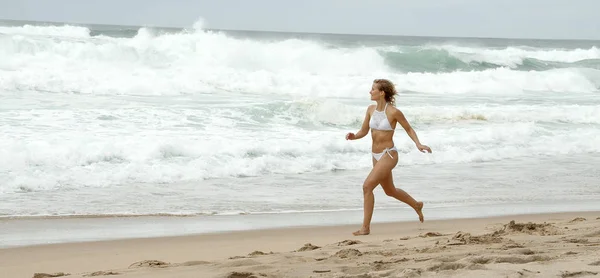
380, 170
387, 184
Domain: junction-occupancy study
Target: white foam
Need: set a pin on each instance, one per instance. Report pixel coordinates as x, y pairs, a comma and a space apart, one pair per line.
487, 113
201, 61
498, 81
96, 147
47, 31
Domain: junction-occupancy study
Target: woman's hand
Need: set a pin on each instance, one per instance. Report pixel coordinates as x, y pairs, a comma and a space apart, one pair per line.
423, 148
350, 136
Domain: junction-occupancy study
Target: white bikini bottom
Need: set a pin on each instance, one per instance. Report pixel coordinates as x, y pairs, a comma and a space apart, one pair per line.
378, 156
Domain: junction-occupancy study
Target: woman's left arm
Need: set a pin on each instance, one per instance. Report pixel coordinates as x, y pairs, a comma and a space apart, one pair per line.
399, 116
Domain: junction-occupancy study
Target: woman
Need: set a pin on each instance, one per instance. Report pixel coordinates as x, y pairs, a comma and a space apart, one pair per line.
382, 119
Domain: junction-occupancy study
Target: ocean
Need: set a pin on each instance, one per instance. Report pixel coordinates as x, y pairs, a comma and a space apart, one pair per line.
103, 121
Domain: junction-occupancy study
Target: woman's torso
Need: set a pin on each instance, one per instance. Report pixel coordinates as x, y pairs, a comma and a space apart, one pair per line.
382, 129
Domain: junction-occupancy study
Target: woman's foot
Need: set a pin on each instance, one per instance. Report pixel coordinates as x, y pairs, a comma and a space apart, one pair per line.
362, 232
419, 210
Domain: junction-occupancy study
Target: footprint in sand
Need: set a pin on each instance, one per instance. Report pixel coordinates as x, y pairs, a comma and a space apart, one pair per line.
308, 247
566, 274
195, 263
149, 263
527, 271
447, 266
578, 219
380, 253
101, 273
49, 275
521, 251
411, 273
510, 259
236, 274
529, 228
348, 242
259, 253
347, 253
379, 265
576, 240
462, 238
512, 246
455, 266
431, 234
593, 234
238, 263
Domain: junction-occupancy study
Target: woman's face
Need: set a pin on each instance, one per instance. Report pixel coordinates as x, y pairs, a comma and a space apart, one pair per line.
376, 94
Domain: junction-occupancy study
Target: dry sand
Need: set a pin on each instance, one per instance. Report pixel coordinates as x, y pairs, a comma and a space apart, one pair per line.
543, 245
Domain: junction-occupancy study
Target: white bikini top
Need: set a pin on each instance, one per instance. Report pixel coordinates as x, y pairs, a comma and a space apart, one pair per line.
379, 120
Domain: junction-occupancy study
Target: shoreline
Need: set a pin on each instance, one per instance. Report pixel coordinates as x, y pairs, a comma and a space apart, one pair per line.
209, 254
34, 231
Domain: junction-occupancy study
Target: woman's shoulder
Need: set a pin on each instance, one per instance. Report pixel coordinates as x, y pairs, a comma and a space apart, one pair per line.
393, 110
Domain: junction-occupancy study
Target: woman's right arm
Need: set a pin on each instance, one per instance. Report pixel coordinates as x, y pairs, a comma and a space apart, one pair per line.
364, 129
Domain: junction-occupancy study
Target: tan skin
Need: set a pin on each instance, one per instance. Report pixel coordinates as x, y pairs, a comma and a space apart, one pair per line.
382, 169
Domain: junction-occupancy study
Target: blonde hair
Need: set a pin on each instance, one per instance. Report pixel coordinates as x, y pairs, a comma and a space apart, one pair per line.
388, 88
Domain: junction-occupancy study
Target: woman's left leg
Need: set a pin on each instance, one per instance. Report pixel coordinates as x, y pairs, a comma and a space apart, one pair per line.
388, 187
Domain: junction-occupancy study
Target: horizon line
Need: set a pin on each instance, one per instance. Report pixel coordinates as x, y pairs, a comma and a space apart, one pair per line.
299, 32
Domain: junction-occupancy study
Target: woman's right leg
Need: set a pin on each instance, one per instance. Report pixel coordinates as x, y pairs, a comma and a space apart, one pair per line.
368, 204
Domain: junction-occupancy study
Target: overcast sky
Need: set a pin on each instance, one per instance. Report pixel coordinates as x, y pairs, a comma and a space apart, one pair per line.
572, 19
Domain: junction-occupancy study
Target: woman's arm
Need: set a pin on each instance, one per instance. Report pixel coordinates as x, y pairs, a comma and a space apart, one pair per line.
364, 129
399, 116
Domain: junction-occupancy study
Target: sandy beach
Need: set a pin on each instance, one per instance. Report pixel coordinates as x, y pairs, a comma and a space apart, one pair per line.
539, 245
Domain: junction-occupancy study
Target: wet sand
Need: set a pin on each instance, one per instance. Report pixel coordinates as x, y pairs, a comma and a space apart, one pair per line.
539, 245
